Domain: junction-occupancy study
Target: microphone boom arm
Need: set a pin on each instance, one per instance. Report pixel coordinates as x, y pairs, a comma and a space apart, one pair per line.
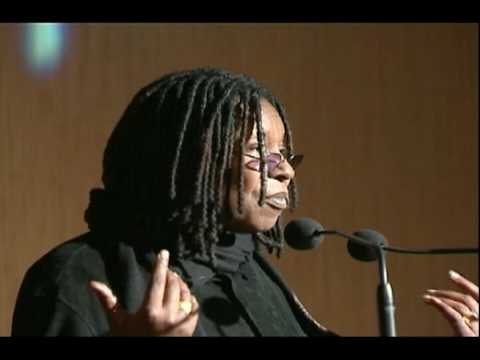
439, 251
385, 303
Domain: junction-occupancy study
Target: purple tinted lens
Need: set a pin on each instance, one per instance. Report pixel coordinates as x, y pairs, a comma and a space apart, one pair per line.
273, 160
254, 165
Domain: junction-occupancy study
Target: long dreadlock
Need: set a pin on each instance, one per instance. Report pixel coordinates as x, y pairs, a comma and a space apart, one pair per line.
167, 159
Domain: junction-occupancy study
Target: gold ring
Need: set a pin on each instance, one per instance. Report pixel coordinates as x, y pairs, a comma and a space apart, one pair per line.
186, 306
466, 320
469, 318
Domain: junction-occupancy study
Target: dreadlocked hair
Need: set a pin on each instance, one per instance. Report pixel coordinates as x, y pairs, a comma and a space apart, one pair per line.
167, 161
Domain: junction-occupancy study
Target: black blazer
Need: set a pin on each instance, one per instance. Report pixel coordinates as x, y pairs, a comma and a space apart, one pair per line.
55, 299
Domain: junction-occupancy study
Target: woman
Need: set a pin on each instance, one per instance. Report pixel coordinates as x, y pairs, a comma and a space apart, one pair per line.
198, 171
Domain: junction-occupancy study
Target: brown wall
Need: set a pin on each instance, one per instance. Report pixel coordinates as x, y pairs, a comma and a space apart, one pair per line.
386, 114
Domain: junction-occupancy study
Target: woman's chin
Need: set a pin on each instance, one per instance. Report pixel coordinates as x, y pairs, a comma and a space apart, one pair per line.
251, 226
253, 221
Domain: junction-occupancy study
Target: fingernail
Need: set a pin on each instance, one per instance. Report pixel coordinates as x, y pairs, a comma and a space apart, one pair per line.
427, 298
164, 255
431, 291
97, 284
453, 274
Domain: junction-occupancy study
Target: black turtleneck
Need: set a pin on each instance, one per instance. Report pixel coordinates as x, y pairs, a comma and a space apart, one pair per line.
237, 298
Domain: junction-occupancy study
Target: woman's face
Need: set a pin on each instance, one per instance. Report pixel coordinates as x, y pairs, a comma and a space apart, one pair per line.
254, 217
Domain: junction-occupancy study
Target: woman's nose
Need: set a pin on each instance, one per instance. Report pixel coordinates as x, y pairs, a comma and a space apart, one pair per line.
284, 172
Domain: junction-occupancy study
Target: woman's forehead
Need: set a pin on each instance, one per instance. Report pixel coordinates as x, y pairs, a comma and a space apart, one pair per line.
272, 124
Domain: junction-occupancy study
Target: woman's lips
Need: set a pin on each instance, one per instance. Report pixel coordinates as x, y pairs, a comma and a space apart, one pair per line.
278, 201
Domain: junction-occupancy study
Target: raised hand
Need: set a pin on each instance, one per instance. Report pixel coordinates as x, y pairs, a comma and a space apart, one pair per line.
168, 309
460, 308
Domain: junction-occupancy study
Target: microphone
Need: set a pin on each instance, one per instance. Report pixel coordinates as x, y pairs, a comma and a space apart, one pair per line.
365, 245
364, 253
306, 233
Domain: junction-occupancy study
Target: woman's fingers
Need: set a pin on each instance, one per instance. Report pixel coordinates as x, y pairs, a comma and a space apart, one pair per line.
109, 302
188, 318
104, 294
155, 294
168, 308
171, 300
179, 306
458, 306
464, 284
186, 303
465, 299
456, 320
195, 307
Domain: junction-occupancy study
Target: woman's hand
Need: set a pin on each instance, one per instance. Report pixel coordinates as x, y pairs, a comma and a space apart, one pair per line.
459, 308
168, 309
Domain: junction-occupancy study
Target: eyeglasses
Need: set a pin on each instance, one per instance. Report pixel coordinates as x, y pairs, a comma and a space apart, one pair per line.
273, 160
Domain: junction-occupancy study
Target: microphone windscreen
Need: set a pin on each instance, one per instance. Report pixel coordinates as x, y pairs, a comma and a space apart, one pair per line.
303, 234
362, 252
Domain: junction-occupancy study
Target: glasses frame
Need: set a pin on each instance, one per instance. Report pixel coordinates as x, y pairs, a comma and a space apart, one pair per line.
293, 159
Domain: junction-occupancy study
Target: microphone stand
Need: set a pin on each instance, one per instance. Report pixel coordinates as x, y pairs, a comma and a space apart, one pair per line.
385, 303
